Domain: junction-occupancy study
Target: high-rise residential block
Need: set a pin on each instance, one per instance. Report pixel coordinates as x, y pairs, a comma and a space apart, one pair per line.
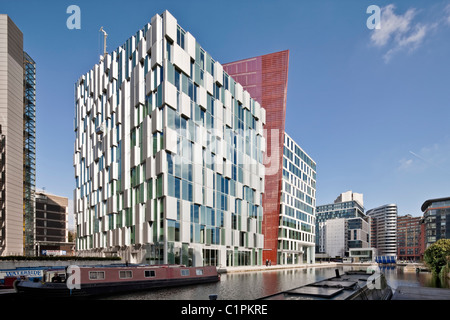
17, 121
168, 155
384, 231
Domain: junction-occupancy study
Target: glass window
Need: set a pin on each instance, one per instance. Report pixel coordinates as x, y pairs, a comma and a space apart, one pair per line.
191, 90
150, 273
177, 188
177, 79
170, 230
180, 36
169, 50
159, 186
170, 73
199, 272
125, 274
171, 185
96, 275
212, 67
185, 272
202, 59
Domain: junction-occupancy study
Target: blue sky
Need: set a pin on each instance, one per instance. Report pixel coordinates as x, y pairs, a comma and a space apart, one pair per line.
371, 107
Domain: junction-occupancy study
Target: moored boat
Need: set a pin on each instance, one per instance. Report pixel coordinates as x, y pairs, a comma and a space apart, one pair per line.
79, 281
353, 285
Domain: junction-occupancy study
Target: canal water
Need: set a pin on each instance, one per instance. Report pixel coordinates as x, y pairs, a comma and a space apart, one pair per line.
254, 285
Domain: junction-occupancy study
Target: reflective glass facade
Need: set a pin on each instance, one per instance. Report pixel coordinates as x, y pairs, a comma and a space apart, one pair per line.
29, 154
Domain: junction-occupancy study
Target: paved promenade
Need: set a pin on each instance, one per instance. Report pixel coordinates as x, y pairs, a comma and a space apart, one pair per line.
281, 267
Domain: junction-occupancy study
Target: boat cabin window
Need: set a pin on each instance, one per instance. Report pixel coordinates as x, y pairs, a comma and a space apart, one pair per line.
184, 272
199, 272
96, 275
149, 273
125, 274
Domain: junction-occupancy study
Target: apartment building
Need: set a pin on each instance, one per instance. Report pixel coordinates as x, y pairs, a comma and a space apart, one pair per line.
384, 230
408, 238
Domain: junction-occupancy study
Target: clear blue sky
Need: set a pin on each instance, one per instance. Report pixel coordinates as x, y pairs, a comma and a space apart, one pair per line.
371, 107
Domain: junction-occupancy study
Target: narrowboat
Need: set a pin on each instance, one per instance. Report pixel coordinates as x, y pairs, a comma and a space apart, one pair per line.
82, 281
353, 285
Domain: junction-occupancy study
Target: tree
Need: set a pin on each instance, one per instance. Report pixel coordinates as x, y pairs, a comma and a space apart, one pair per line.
437, 255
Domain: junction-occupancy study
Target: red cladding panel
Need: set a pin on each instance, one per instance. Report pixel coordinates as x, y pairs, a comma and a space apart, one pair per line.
265, 78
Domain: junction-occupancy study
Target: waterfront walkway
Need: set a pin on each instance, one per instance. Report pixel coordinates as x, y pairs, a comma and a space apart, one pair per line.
282, 267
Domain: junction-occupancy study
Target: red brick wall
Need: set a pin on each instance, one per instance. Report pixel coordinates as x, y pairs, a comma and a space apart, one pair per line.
265, 78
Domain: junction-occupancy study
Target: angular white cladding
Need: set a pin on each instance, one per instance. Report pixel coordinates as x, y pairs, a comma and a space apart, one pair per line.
181, 59
190, 45
218, 73
170, 26
160, 157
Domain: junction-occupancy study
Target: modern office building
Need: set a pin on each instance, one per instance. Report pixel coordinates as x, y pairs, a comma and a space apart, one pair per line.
265, 78
354, 233
408, 238
384, 231
436, 220
17, 121
52, 224
168, 155
296, 236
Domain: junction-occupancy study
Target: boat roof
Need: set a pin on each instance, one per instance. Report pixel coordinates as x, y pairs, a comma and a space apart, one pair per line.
336, 288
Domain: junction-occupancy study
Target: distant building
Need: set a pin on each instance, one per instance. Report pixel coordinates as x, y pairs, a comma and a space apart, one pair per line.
384, 230
336, 237
408, 238
342, 225
52, 225
17, 121
436, 217
363, 255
